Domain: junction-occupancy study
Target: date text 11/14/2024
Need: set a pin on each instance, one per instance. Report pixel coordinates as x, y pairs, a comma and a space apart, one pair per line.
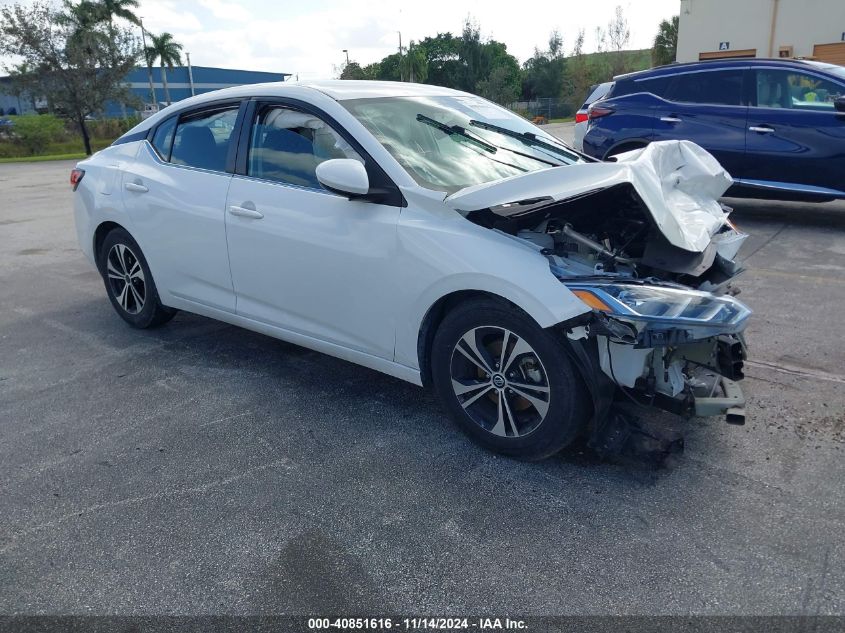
415, 624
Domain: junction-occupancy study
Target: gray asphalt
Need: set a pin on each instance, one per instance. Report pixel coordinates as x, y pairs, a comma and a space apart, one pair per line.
203, 469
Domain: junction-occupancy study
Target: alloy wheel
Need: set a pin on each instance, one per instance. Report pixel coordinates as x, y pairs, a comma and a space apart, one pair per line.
126, 278
500, 381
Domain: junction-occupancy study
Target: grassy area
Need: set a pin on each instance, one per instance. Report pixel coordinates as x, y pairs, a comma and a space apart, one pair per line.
565, 119
42, 158
10, 152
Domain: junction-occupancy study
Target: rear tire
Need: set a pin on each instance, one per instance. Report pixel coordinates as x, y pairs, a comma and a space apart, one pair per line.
129, 282
507, 382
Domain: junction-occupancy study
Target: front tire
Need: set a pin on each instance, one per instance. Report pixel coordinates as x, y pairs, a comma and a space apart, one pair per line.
129, 283
507, 382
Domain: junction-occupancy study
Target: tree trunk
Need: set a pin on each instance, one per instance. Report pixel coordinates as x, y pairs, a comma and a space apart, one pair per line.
86, 139
152, 86
164, 82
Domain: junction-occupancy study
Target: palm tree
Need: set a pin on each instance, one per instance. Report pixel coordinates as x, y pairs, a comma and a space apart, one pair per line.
120, 9
167, 50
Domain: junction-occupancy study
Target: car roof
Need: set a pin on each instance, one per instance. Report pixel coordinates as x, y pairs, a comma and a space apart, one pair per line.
735, 62
339, 90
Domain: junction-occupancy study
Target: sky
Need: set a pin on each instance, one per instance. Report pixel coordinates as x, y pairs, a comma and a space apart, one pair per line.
307, 37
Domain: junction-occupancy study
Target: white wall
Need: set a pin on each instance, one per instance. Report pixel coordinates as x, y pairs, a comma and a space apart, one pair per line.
747, 24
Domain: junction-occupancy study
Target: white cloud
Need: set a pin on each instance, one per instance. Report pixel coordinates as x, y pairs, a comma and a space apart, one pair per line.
308, 37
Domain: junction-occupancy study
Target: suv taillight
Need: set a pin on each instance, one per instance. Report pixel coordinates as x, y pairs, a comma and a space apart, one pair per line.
580, 117
76, 177
597, 111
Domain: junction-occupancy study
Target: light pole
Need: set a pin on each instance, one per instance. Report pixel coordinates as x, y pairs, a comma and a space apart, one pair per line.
347, 56
400, 56
147, 59
190, 74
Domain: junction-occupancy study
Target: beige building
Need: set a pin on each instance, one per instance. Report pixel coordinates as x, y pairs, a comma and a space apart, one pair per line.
813, 29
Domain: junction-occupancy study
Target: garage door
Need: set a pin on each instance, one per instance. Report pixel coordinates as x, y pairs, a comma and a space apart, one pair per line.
830, 53
746, 52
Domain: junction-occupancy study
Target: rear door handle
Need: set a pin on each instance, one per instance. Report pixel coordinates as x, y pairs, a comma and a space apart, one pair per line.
761, 128
670, 119
135, 187
243, 212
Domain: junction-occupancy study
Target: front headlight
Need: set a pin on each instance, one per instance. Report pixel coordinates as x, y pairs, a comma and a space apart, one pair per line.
659, 304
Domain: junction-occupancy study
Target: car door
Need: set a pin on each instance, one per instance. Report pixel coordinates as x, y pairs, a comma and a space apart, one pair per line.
706, 107
175, 193
303, 258
795, 137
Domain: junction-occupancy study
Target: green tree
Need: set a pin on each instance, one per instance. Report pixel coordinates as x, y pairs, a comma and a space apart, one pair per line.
122, 9
67, 58
665, 47
618, 35
352, 70
443, 61
168, 52
579, 72
545, 73
415, 64
499, 87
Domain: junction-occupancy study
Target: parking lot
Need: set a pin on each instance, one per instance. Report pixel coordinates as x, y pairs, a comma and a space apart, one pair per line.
199, 468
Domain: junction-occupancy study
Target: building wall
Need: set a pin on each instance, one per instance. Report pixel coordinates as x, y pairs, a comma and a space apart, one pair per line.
746, 24
206, 79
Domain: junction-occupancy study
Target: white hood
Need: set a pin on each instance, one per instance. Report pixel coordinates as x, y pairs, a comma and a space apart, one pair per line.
678, 181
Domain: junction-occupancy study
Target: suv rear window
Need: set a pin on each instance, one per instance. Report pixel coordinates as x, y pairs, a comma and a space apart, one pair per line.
722, 87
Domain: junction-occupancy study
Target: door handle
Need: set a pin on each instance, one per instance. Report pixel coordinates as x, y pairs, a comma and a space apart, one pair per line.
243, 212
670, 119
135, 187
761, 128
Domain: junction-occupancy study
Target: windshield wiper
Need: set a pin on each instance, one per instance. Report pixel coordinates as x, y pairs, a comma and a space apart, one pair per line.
488, 147
525, 137
458, 131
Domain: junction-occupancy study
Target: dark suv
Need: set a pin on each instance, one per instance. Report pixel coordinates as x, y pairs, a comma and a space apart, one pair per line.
777, 126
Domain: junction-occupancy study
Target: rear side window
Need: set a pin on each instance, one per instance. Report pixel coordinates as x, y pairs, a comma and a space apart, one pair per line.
202, 139
721, 87
163, 138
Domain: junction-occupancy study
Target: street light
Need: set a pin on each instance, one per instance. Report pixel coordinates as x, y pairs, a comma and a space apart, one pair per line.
347, 56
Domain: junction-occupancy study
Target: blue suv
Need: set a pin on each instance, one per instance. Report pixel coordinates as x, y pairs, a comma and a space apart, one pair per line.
776, 125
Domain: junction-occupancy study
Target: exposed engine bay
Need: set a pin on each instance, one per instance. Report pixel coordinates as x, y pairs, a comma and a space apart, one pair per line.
608, 233
664, 329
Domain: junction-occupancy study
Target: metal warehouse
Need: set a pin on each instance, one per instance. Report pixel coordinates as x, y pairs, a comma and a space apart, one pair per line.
182, 82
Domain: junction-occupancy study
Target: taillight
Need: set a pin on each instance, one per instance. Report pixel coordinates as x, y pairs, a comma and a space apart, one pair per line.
596, 111
76, 177
580, 117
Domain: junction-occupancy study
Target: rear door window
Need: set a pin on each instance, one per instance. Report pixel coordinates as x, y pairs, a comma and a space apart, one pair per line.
795, 90
720, 87
203, 139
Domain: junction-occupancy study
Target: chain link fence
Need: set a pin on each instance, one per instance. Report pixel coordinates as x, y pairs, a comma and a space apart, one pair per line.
545, 108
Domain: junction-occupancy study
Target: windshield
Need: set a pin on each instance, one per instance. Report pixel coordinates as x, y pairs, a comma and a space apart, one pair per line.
451, 142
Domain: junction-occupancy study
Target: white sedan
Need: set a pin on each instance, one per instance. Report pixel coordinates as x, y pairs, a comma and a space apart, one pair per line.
431, 235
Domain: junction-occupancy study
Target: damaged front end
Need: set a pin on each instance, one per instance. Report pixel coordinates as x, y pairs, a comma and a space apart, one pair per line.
646, 245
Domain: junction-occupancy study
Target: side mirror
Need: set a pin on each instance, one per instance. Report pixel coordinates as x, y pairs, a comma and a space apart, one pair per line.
345, 176
839, 104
